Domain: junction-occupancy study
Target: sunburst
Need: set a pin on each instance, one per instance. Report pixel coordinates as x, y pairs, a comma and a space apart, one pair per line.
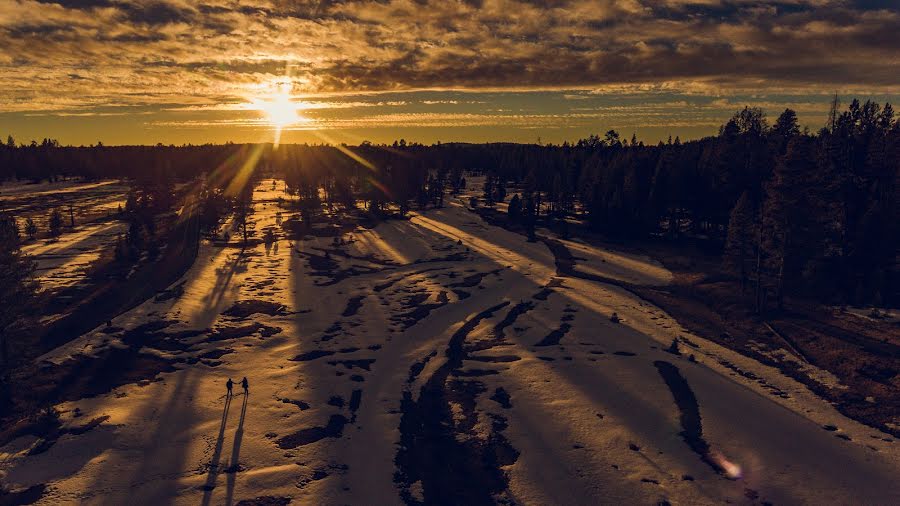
279, 108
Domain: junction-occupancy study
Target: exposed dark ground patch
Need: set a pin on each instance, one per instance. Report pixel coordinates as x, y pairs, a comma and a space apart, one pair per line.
418, 366
494, 358
420, 310
501, 397
300, 404
511, 317
224, 333
474, 373
362, 363
473, 279
543, 294
170, 293
334, 429
554, 337
389, 283
353, 306
29, 495
371, 257
245, 308
312, 355
691, 422
266, 500
462, 294
428, 428
326, 267
353, 405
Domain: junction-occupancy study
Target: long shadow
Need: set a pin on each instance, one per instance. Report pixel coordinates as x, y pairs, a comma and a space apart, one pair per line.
224, 275
234, 466
214, 461
170, 418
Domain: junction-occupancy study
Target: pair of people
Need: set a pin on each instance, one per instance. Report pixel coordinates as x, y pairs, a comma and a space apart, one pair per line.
244, 383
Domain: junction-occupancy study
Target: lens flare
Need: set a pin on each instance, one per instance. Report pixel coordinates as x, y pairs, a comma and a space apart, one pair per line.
731, 469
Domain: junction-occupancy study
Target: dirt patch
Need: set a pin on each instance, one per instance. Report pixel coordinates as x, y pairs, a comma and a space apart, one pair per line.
419, 366
28, 495
312, 355
245, 308
300, 404
226, 332
266, 500
326, 267
334, 429
429, 427
554, 337
362, 363
353, 306
355, 402
501, 397
170, 293
691, 422
494, 358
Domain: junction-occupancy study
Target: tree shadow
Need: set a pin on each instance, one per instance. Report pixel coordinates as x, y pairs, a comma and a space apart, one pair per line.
234, 466
214, 461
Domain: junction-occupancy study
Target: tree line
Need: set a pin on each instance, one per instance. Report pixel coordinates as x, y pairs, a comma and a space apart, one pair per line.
791, 212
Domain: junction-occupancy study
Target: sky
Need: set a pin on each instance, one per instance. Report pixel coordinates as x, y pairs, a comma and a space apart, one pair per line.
177, 71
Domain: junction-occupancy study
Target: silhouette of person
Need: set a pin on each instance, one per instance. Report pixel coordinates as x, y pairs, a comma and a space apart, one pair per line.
229, 385
246, 385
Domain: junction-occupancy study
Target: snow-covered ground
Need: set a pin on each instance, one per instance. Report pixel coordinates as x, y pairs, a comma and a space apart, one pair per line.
454, 313
62, 262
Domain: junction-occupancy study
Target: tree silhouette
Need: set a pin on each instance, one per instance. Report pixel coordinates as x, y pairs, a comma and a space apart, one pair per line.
17, 286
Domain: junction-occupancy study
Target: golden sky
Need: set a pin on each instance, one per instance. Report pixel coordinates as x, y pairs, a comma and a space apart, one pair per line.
174, 71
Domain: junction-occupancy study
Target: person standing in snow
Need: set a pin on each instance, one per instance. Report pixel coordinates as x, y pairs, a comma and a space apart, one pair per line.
229, 384
246, 385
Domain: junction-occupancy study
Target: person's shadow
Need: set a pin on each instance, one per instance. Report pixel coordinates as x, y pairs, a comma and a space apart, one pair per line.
217, 453
234, 466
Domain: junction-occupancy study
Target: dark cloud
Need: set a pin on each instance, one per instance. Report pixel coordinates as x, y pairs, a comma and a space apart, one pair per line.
221, 47
156, 13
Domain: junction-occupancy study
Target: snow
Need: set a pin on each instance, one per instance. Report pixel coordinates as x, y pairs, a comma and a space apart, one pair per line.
575, 420
62, 262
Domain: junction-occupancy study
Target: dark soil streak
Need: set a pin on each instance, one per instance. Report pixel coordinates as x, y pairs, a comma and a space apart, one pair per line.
691, 422
553, 338
334, 429
468, 471
353, 306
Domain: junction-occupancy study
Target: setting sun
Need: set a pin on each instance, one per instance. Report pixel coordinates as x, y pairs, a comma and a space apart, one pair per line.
279, 109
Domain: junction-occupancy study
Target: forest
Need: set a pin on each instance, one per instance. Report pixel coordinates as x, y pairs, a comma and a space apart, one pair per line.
791, 212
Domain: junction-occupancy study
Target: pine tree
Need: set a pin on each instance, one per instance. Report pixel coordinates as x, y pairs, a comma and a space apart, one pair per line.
54, 223
30, 228
514, 212
17, 286
243, 207
488, 193
741, 244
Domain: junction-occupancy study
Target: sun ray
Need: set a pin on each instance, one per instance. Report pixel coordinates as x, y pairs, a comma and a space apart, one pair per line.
280, 109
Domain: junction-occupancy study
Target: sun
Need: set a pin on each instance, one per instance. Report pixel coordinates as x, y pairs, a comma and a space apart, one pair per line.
279, 109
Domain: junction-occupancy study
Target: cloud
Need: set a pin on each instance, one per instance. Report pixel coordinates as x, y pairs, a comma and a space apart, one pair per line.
138, 52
